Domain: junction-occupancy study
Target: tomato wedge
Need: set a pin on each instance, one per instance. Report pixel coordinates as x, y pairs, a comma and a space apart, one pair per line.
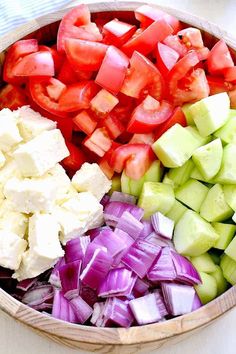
114, 126
177, 117
117, 32
112, 72
166, 58
15, 53
75, 160
77, 24
58, 58
143, 78
99, 142
142, 139
230, 74
135, 159
12, 97
144, 41
217, 85
191, 38
174, 42
219, 58
77, 96
103, 103
35, 64
85, 122
148, 115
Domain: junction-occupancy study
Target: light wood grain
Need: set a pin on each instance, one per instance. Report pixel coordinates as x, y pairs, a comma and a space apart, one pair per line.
110, 340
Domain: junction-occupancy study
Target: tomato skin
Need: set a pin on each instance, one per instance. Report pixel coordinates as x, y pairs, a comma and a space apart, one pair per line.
77, 96
85, 55
68, 76
98, 142
142, 139
113, 69
12, 97
77, 24
114, 126
17, 51
174, 42
134, 158
35, 64
217, 84
230, 74
103, 103
148, 115
145, 41
85, 122
166, 58
117, 32
219, 58
55, 89
191, 38
177, 117
75, 160
57, 57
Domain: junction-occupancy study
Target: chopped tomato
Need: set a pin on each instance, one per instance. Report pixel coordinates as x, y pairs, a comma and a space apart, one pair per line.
230, 74
113, 69
55, 89
85, 55
217, 85
135, 159
99, 142
117, 32
219, 58
177, 117
104, 162
85, 122
77, 96
202, 53
12, 97
35, 64
77, 24
103, 103
15, 53
143, 78
40, 95
58, 58
75, 160
147, 14
148, 115
114, 126
65, 125
166, 58
68, 76
174, 42
124, 108
144, 42
142, 139
232, 97
191, 38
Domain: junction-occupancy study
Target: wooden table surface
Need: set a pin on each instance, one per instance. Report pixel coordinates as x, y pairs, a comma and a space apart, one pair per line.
219, 337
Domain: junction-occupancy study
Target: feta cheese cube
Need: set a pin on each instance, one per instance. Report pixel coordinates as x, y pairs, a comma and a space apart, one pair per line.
40, 154
90, 178
12, 248
15, 222
62, 182
9, 132
9, 170
31, 123
31, 195
2, 159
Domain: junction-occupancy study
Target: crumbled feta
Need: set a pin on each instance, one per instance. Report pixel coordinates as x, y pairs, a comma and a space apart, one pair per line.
61, 180
39, 155
2, 159
12, 248
90, 178
9, 132
15, 222
31, 123
31, 195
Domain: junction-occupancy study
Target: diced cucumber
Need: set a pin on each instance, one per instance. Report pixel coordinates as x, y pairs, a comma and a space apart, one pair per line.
116, 184
228, 132
195, 174
215, 255
188, 115
207, 290
200, 140
220, 281
227, 173
192, 193
228, 266
175, 146
125, 183
204, 263
230, 195
136, 186
208, 158
156, 196
154, 173
176, 211
167, 180
214, 207
231, 249
210, 113
180, 175
193, 235
226, 233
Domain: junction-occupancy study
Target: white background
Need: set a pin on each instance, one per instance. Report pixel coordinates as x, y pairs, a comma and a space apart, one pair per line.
219, 337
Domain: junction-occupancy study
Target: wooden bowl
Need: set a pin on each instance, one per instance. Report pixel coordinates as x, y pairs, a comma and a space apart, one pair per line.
110, 340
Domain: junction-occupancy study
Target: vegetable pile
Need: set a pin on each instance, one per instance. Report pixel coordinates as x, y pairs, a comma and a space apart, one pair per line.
150, 106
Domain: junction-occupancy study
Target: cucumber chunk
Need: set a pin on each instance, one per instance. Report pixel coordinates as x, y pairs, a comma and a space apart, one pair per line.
220, 280
214, 207
228, 266
204, 263
231, 249
215, 255
136, 186
188, 115
176, 211
175, 146
228, 132
227, 173
193, 235
125, 183
206, 291
210, 113
195, 174
116, 184
230, 195
208, 158
167, 180
226, 233
192, 194
180, 175
156, 196
200, 140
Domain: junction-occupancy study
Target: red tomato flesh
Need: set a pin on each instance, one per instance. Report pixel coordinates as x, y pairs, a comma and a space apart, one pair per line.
219, 58
166, 58
35, 64
177, 117
117, 32
75, 160
103, 103
12, 97
85, 122
99, 142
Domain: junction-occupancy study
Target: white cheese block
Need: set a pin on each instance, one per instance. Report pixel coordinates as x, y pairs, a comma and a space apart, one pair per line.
40, 154
9, 132
15, 222
90, 178
61, 180
2, 159
12, 248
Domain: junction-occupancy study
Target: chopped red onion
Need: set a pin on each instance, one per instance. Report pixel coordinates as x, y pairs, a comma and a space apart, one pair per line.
61, 308
130, 224
196, 302
105, 200
163, 268
38, 295
42, 307
111, 241
69, 275
160, 302
147, 229
141, 256
118, 312
122, 197
54, 278
114, 210
178, 298
97, 269
93, 233
145, 309
185, 271
82, 310
158, 240
88, 295
75, 249
92, 247
128, 240
97, 316
140, 287
26, 284
162, 225
5, 273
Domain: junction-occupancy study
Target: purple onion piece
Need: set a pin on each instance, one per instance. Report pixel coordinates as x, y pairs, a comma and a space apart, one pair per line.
105, 200
145, 309
163, 268
111, 241
54, 278
81, 309
140, 287
147, 229
93, 233
162, 225
122, 197
118, 312
130, 224
114, 210
75, 249
158, 240
185, 271
69, 276
196, 302
38, 295
118, 282
26, 284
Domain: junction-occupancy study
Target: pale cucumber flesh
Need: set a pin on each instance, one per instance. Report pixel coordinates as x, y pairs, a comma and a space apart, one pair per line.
192, 194
204, 263
226, 232
207, 290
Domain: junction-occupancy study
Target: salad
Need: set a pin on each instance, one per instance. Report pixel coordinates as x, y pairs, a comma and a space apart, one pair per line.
117, 174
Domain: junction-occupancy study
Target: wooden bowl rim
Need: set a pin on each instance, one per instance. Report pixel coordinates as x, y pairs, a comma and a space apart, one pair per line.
117, 336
